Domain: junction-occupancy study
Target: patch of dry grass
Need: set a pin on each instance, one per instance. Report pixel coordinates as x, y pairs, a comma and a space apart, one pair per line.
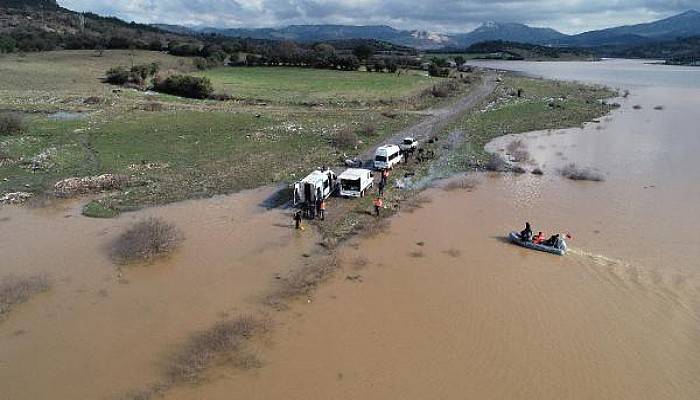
345, 139
464, 183
415, 202
15, 290
452, 252
576, 173
496, 163
12, 124
145, 240
225, 340
518, 151
301, 282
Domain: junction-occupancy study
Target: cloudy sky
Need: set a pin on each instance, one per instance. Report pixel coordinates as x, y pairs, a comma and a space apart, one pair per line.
569, 16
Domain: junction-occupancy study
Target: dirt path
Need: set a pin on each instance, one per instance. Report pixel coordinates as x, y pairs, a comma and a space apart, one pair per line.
439, 118
436, 120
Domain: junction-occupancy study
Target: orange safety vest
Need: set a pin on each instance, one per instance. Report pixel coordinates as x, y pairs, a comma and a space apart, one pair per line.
323, 205
378, 203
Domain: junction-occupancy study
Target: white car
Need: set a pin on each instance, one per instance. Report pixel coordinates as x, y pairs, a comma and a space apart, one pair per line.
409, 144
354, 182
385, 157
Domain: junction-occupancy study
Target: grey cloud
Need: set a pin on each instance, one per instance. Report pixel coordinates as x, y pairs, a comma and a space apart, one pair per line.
439, 15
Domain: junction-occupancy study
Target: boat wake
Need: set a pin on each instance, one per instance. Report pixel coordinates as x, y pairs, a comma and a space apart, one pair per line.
676, 287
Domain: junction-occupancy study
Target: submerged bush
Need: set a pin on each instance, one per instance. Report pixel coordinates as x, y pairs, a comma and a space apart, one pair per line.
576, 173
17, 290
224, 338
12, 124
145, 240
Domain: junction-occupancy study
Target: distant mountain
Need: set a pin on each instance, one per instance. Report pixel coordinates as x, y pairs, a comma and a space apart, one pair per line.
510, 32
682, 25
678, 51
416, 38
322, 33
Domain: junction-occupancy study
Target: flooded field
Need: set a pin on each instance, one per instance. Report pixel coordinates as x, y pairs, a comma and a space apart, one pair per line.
100, 332
440, 306
443, 307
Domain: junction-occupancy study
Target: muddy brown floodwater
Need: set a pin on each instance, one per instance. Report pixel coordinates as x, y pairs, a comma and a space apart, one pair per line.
445, 308
96, 334
438, 307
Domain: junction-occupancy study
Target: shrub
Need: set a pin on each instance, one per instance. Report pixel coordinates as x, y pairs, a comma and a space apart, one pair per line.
345, 139
576, 173
301, 281
464, 183
117, 76
437, 71
186, 86
12, 124
518, 151
93, 100
143, 71
444, 89
152, 106
17, 290
96, 209
496, 163
226, 337
145, 240
369, 129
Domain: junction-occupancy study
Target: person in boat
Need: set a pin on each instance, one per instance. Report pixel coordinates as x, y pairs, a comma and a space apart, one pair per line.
553, 241
526, 234
538, 239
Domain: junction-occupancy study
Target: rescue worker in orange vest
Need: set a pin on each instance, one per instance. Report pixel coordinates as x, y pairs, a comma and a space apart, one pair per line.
322, 209
378, 204
385, 175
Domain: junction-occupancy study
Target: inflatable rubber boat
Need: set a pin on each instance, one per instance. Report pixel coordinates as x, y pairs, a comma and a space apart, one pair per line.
560, 250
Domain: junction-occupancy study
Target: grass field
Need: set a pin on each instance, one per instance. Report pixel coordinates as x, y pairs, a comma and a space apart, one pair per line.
186, 148
60, 79
310, 86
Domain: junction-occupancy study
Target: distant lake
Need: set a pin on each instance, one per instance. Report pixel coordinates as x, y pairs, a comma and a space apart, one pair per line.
613, 72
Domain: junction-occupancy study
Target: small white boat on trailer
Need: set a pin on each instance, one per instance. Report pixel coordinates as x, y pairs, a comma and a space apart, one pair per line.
558, 250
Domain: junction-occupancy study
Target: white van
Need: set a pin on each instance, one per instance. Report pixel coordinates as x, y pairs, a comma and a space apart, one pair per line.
355, 182
387, 156
317, 185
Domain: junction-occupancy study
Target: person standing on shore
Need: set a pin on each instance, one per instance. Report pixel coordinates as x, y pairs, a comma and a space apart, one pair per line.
322, 209
378, 204
297, 220
385, 176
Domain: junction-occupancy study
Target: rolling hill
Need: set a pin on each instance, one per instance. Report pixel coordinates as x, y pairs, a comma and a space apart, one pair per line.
682, 25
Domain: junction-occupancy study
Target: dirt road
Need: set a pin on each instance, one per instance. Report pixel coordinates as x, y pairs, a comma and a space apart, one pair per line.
438, 118
435, 121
